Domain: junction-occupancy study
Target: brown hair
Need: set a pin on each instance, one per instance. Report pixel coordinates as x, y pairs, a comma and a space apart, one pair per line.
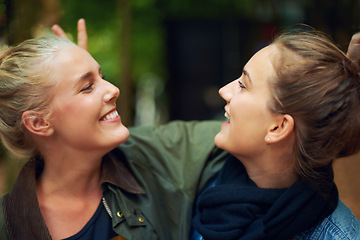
319, 86
25, 84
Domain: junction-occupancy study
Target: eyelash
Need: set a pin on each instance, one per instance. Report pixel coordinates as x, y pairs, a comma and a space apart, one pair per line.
87, 88
241, 85
90, 86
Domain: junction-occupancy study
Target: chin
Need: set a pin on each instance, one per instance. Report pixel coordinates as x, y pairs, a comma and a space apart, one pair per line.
123, 135
116, 138
219, 141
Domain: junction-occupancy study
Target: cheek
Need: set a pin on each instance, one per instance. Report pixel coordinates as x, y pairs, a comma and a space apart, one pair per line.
243, 109
73, 112
76, 106
249, 119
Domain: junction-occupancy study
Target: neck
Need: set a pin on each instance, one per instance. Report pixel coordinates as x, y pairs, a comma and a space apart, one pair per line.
274, 178
79, 174
271, 169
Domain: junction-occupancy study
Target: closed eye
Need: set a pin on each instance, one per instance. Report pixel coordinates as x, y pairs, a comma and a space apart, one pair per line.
88, 87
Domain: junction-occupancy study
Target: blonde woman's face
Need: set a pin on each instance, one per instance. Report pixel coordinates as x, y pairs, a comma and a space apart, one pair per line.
249, 117
83, 109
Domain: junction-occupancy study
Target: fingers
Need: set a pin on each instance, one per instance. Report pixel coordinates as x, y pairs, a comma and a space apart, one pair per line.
82, 34
354, 49
58, 31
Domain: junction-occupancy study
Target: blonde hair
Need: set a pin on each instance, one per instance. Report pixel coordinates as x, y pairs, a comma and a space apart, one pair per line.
25, 84
319, 86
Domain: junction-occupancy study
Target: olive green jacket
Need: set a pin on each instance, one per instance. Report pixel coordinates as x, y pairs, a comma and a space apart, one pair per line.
149, 182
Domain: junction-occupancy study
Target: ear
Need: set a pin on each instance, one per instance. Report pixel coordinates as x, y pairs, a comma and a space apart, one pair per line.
281, 129
37, 124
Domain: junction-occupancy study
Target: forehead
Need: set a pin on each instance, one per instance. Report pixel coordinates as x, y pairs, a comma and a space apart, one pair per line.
262, 63
265, 54
71, 62
73, 54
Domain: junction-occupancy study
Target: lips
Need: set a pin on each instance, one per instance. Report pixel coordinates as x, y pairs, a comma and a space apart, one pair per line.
110, 115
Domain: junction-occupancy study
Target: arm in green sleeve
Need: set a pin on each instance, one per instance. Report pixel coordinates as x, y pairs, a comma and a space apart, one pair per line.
182, 152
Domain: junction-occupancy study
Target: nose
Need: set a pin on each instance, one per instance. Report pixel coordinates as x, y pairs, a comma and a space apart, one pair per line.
226, 92
111, 93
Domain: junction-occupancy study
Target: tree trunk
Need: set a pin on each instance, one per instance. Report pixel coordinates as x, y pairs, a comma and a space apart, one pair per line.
26, 18
125, 82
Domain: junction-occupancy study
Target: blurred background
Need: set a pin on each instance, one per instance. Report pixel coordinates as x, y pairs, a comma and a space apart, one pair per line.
170, 57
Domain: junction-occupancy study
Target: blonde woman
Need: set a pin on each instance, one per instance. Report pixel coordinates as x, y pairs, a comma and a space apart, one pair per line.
57, 110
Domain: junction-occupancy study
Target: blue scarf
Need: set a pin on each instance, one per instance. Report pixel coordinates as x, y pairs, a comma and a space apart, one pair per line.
235, 208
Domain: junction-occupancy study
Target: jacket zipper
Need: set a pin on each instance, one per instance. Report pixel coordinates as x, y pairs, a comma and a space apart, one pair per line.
106, 207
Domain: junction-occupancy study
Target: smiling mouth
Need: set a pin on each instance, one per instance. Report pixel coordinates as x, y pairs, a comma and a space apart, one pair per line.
111, 115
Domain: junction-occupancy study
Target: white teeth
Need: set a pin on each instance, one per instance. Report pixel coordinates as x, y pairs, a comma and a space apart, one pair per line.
111, 115
227, 115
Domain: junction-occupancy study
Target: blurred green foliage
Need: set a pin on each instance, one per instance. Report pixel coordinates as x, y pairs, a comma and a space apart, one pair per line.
102, 28
104, 25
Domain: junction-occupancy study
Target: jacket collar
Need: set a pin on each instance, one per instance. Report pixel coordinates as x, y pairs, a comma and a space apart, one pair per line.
21, 209
117, 173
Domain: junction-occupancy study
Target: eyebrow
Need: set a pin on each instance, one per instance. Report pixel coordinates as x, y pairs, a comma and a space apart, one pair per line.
86, 76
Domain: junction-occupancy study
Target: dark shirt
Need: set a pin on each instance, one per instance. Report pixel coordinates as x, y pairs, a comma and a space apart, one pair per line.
99, 227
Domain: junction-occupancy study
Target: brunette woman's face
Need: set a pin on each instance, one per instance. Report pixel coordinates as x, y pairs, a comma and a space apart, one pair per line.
83, 108
249, 117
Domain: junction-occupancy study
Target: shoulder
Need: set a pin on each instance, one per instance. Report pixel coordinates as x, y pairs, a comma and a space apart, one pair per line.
341, 224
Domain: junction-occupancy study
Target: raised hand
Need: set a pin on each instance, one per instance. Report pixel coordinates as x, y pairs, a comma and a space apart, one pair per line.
354, 49
81, 30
